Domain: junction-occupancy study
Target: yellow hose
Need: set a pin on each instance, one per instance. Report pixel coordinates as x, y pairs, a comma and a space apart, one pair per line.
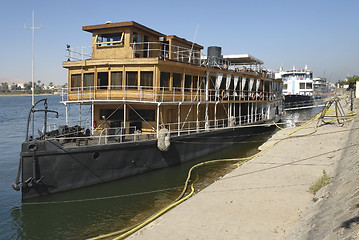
181, 198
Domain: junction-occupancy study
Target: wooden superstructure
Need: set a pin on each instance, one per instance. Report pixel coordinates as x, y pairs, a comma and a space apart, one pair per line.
140, 80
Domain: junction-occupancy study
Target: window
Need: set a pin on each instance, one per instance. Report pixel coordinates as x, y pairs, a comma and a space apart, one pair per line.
111, 114
110, 39
116, 80
177, 80
195, 82
131, 78
223, 83
146, 114
136, 38
301, 85
75, 80
165, 79
187, 82
285, 86
102, 80
146, 79
88, 80
145, 46
309, 86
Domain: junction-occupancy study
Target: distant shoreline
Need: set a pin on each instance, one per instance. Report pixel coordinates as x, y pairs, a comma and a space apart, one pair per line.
25, 94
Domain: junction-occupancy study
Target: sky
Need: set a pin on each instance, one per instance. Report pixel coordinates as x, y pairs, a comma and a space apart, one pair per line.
321, 34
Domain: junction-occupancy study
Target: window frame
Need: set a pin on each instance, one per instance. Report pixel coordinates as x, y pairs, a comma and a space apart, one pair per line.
110, 43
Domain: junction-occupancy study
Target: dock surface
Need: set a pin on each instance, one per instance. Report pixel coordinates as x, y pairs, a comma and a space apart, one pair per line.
269, 198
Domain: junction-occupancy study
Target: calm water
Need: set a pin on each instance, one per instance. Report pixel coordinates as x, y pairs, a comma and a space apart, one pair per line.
119, 204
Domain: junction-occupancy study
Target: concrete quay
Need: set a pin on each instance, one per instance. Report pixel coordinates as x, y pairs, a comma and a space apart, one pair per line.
269, 198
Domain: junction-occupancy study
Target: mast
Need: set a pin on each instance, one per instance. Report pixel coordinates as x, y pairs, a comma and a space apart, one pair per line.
33, 53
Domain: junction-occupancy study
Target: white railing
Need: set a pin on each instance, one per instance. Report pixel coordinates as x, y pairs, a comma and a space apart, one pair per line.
131, 134
120, 134
165, 51
78, 53
164, 94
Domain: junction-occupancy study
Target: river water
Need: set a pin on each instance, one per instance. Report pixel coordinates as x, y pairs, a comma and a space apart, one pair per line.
99, 209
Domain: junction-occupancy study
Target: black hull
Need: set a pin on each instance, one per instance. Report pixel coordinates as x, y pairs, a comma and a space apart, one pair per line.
52, 168
294, 101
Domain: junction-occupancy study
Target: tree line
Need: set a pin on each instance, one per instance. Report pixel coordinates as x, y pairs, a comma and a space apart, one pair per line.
39, 88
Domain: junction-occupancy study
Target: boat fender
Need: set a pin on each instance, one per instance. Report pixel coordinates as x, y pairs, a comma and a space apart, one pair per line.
223, 94
163, 141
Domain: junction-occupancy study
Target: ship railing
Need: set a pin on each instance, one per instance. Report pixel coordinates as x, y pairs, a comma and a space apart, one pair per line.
163, 94
165, 51
190, 127
132, 134
119, 134
78, 53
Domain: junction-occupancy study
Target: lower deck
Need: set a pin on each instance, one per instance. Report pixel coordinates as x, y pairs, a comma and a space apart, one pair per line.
128, 122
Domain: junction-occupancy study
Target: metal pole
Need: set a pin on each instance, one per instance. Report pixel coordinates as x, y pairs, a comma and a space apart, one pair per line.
80, 114
179, 118
67, 115
124, 116
158, 119
33, 54
92, 118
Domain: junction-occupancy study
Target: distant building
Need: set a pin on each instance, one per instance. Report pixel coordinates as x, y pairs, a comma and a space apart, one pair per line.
320, 85
21, 85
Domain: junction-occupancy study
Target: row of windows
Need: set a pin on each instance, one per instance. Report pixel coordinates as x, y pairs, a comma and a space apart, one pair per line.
301, 86
189, 81
146, 79
305, 86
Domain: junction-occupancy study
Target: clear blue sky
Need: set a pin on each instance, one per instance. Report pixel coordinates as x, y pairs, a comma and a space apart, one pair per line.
322, 34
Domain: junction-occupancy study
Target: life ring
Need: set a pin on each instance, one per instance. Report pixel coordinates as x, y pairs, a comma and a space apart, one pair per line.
260, 95
223, 94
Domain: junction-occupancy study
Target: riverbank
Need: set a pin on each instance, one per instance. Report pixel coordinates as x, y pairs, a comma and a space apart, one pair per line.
269, 197
25, 94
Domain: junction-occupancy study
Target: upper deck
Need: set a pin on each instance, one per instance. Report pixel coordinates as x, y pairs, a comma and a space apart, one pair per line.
130, 62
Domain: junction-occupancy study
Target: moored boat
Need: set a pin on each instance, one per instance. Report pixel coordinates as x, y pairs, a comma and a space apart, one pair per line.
297, 87
155, 102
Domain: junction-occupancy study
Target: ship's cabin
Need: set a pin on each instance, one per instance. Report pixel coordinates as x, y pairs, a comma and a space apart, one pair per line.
136, 78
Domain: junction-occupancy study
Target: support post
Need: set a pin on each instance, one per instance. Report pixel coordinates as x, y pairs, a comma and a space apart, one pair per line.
179, 119
215, 115
80, 117
239, 113
67, 114
252, 112
255, 112
206, 126
158, 119
197, 122
124, 117
92, 118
